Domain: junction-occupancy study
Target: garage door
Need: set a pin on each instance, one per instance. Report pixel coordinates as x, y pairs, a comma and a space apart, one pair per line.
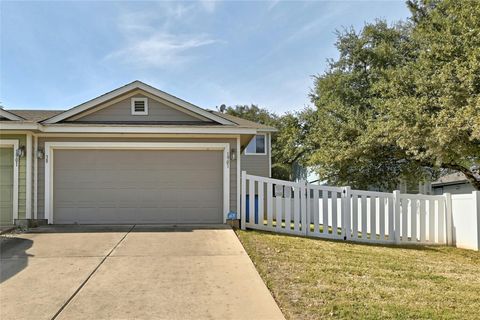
137, 186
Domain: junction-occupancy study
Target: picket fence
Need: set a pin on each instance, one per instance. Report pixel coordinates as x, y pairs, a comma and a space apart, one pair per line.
328, 212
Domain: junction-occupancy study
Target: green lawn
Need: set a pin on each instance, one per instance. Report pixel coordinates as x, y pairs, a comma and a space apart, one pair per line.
315, 279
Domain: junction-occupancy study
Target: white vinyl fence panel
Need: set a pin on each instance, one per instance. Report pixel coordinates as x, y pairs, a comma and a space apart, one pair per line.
299, 208
466, 220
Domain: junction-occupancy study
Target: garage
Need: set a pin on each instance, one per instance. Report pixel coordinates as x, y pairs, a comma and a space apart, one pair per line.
133, 185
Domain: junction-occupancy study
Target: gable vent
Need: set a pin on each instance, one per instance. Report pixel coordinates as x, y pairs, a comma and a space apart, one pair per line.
139, 106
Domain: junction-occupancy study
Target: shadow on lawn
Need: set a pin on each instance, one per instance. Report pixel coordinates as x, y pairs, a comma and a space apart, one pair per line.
415, 247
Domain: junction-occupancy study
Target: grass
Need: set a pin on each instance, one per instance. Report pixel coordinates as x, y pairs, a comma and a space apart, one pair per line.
321, 228
317, 279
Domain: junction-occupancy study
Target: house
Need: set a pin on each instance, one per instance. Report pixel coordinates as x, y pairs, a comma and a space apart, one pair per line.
133, 155
454, 183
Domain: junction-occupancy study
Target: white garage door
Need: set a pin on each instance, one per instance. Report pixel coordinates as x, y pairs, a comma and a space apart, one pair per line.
137, 186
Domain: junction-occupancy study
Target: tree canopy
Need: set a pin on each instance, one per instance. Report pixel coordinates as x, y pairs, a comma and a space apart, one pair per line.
288, 148
402, 101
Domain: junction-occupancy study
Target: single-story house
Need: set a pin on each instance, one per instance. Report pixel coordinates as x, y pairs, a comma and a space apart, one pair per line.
454, 183
132, 155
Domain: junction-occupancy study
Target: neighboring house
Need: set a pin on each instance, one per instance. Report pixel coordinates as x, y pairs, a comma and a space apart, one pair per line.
133, 155
454, 183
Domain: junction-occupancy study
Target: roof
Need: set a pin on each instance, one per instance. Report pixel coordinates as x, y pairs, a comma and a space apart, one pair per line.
9, 116
453, 178
35, 115
40, 115
135, 85
58, 118
244, 122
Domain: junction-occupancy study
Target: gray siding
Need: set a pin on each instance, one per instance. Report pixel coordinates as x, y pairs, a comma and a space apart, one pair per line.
257, 165
121, 112
463, 188
22, 174
41, 163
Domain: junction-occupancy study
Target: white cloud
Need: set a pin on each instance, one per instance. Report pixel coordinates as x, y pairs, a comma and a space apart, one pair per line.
209, 5
150, 38
161, 50
272, 4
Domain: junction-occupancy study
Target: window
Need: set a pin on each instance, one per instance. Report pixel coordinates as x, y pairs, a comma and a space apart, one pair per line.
257, 145
139, 106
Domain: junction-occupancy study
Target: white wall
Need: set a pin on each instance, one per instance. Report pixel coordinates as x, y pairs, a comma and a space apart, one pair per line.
466, 220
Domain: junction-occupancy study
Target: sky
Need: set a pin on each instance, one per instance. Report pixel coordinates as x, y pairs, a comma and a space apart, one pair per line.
56, 55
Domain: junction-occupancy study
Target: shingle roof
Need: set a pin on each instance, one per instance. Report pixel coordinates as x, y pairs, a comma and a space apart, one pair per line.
39, 115
35, 115
453, 178
243, 122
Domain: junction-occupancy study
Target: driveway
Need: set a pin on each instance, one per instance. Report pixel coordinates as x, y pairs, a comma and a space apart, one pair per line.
124, 272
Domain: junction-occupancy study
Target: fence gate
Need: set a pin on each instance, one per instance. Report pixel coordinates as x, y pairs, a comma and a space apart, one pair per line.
328, 212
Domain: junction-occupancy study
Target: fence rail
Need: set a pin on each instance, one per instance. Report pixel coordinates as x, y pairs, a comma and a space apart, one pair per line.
342, 213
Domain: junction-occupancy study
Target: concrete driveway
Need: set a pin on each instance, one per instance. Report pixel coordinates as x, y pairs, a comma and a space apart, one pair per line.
125, 272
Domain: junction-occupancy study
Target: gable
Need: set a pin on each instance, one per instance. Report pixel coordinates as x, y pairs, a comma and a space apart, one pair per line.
5, 115
136, 87
120, 111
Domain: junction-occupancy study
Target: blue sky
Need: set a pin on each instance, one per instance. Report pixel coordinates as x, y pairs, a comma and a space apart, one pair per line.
55, 55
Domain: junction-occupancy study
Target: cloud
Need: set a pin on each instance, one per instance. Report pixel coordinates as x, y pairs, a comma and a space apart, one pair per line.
161, 50
150, 39
272, 4
209, 5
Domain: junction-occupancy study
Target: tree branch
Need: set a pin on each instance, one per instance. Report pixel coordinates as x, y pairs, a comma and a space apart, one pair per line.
468, 174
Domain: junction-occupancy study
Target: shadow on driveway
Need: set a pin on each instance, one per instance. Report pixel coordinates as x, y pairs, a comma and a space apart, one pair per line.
13, 256
86, 228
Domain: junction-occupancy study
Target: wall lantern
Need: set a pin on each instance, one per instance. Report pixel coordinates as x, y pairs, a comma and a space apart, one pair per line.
20, 153
233, 154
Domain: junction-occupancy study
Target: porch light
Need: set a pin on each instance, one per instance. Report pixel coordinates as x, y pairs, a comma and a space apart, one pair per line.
20, 153
233, 154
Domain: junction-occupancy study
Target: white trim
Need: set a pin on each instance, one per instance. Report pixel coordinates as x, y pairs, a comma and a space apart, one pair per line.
269, 155
147, 129
264, 144
28, 177
137, 135
13, 143
20, 126
239, 163
9, 115
127, 129
51, 146
139, 113
132, 86
35, 177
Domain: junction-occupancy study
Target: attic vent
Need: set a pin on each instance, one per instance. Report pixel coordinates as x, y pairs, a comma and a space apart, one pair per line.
139, 106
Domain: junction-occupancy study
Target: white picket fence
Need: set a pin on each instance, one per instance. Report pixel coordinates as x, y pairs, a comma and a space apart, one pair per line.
342, 213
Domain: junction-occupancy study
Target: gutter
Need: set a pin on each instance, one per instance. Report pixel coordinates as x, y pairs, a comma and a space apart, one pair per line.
126, 129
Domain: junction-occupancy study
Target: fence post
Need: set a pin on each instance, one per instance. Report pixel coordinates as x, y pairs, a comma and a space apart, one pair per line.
305, 206
448, 217
346, 214
476, 208
396, 214
243, 198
